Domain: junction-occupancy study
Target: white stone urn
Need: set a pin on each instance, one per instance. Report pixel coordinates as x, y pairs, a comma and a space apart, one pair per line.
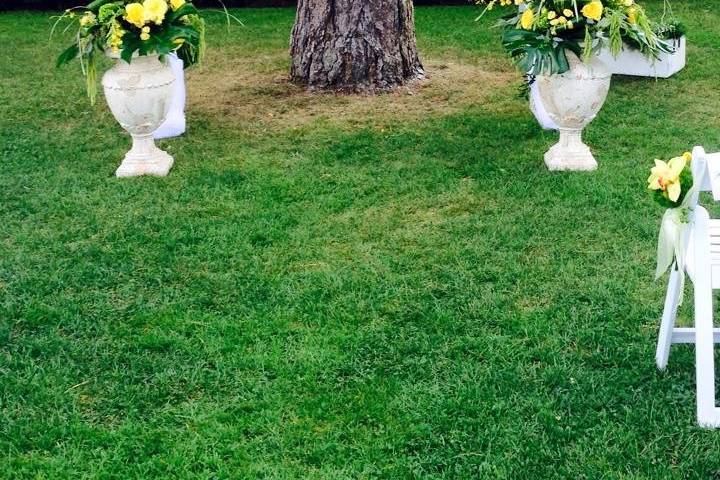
572, 100
139, 95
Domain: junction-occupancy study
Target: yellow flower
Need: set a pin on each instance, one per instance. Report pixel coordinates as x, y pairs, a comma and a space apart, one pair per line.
627, 3
687, 156
155, 10
568, 13
526, 21
593, 10
175, 4
115, 35
551, 15
666, 177
135, 14
632, 15
144, 36
87, 20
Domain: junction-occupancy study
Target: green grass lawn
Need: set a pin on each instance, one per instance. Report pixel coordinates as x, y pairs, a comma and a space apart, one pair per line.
331, 287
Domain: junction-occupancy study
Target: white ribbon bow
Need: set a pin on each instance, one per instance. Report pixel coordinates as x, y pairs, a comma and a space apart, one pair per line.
672, 240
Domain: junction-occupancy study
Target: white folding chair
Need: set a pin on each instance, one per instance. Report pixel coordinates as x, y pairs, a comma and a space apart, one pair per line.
702, 266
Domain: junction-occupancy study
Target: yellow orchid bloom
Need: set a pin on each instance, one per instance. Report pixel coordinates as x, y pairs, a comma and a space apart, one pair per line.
593, 10
666, 177
527, 18
135, 14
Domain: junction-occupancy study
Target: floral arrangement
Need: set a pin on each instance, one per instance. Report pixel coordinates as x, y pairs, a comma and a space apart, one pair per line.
127, 27
670, 181
537, 33
672, 185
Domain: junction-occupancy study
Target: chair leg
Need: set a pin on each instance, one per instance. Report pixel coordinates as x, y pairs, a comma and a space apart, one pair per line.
668, 319
705, 359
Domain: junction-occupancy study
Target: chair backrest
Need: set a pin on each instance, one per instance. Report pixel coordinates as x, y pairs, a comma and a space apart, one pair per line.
704, 240
699, 169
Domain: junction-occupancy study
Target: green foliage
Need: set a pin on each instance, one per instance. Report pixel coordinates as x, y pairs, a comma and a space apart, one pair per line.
536, 54
68, 55
670, 30
108, 11
189, 52
538, 31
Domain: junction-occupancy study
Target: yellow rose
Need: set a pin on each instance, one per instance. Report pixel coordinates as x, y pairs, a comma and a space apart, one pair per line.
526, 21
135, 14
175, 4
593, 10
155, 10
666, 177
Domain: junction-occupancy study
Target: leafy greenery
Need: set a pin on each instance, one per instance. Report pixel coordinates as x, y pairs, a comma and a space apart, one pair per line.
670, 30
537, 55
407, 294
538, 33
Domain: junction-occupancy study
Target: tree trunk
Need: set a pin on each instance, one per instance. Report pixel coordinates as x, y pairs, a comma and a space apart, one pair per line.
354, 45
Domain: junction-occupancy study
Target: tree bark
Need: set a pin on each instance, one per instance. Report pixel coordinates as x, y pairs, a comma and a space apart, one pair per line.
354, 45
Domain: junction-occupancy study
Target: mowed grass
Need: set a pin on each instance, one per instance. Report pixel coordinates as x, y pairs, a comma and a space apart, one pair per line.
332, 287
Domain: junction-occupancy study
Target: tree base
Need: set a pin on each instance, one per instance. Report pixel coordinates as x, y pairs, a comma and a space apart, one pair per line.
354, 46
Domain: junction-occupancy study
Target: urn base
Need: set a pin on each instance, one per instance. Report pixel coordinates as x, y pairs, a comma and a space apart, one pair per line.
578, 159
570, 153
145, 159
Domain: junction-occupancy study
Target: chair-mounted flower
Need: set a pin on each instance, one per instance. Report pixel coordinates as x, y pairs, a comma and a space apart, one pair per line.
674, 187
537, 33
127, 28
670, 181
